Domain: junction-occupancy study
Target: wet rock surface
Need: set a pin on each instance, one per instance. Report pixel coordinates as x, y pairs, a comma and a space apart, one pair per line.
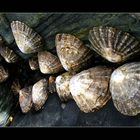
50, 115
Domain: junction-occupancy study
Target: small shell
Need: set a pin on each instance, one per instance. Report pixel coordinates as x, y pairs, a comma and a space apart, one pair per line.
62, 86
113, 44
15, 87
25, 99
52, 85
72, 53
39, 94
26, 38
9, 55
49, 63
33, 63
90, 88
3, 74
125, 88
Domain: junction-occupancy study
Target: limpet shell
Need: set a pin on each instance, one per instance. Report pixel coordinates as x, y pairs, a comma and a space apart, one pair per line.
113, 44
25, 99
62, 86
49, 63
90, 88
9, 55
52, 85
33, 63
39, 94
125, 88
4, 74
27, 40
73, 54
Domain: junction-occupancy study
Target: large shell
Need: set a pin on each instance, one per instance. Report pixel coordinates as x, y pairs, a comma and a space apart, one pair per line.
4, 74
25, 99
33, 63
73, 54
62, 86
49, 63
113, 44
26, 38
125, 88
39, 93
90, 88
9, 55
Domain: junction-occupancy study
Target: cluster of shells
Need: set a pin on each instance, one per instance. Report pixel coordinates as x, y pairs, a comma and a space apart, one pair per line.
91, 88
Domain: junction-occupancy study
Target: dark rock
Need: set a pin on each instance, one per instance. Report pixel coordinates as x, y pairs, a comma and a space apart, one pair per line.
5, 29
107, 116
70, 114
50, 115
31, 19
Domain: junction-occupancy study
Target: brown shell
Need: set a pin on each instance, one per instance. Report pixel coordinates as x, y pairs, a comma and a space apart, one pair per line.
25, 99
125, 88
90, 88
73, 54
49, 63
4, 74
9, 55
52, 85
26, 38
113, 44
62, 86
33, 63
39, 94
15, 87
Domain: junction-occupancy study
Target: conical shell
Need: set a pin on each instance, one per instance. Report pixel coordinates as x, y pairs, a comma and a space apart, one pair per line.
9, 55
73, 54
52, 85
113, 44
125, 88
49, 63
90, 88
62, 86
33, 63
25, 99
26, 38
4, 74
15, 87
39, 94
